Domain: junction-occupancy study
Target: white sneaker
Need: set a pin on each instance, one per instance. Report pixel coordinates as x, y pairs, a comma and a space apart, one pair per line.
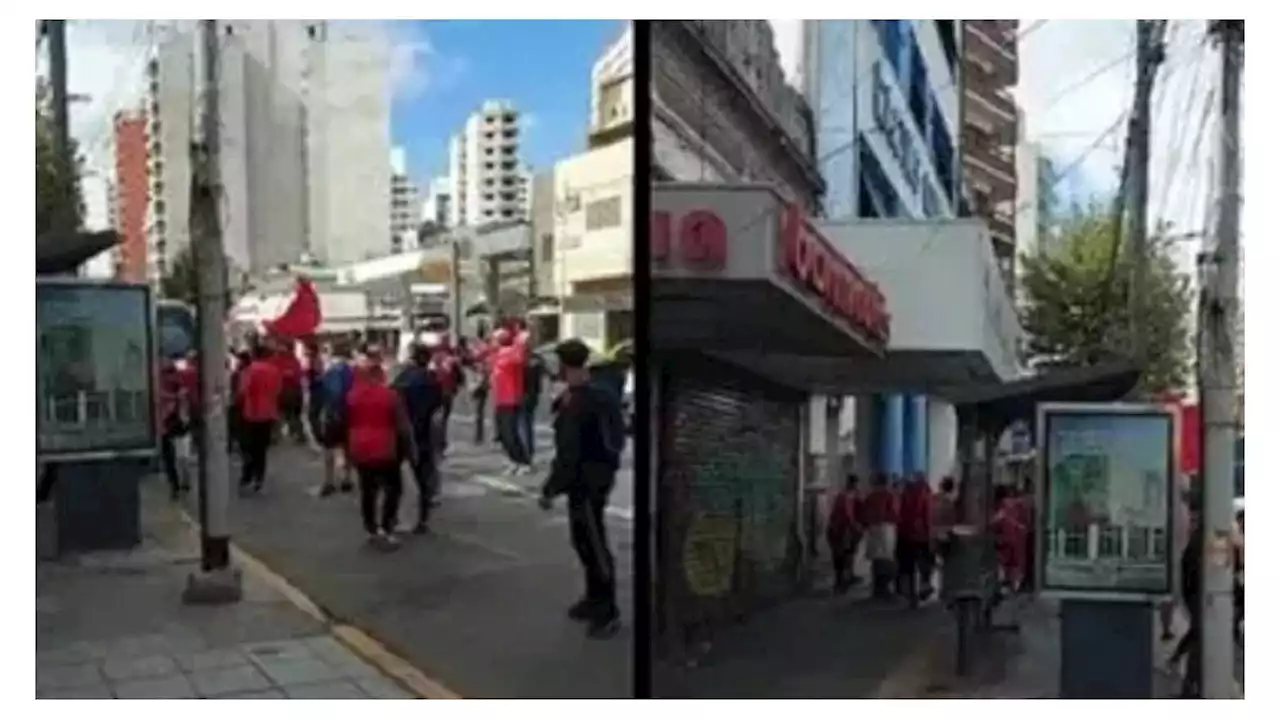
511, 469
526, 469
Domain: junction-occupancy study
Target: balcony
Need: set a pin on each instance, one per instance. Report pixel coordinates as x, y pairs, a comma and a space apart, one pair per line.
989, 168
992, 46
993, 112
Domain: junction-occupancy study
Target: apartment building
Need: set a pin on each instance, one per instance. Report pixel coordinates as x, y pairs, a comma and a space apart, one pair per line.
131, 190
991, 132
487, 183
404, 205
305, 123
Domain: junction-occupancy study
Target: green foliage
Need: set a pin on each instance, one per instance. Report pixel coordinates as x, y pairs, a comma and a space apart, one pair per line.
1076, 307
57, 181
180, 278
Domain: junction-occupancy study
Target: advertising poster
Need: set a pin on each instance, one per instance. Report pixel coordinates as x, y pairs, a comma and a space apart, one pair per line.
93, 369
1107, 488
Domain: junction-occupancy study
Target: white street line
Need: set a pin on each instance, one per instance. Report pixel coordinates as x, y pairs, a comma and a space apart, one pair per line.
504, 485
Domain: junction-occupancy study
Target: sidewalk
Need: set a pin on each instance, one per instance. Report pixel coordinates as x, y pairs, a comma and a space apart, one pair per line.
1022, 665
816, 646
113, 625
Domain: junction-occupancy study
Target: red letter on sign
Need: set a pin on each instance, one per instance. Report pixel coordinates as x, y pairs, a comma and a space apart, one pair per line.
703, 240
660, 238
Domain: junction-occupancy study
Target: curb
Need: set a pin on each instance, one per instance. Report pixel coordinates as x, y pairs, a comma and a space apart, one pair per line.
353, 638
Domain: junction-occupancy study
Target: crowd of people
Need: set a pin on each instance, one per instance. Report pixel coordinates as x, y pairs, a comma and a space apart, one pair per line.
372, 415
905, 529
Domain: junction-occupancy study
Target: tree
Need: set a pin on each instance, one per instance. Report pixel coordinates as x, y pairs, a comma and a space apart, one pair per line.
180, 278
1076, 303
57, 181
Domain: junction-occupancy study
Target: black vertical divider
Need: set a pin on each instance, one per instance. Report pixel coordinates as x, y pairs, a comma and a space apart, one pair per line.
643, 524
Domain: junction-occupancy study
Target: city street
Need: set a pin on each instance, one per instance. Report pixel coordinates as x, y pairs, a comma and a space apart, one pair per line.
479, 604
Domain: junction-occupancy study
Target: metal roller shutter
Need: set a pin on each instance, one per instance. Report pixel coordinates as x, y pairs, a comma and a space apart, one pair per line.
729, 473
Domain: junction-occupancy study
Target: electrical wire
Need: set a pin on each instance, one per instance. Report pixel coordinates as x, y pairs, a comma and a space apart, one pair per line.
1178, 137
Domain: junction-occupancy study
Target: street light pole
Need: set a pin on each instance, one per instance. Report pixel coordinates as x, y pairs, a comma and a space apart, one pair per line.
1217, 370
217, 581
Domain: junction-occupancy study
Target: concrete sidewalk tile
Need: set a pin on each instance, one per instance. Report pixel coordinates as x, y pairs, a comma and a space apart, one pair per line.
135, 667
298, 672
380, 688
71, 653
62, 676
225, 680
97, 691
213, 659
272, 694
140, 646
168, 687
279, 650
333, 690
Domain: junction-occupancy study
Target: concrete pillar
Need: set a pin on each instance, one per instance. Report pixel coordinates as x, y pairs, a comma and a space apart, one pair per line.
834, 458
941, 450
891, 435
864, 436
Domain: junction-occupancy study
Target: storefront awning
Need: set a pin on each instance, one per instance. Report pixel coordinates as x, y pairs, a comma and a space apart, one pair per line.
999, 406
739, 273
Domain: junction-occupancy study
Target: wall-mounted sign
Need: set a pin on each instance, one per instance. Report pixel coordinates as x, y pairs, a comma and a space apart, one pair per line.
894, 128
812, 263
694, 240
1105, 504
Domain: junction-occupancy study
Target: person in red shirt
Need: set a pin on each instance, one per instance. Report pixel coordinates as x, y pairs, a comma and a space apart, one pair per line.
478, 354
915, 533
259, 394
506, 377
286, 361
844, 533
375, 431
1009, 533
880, 510
447, 369
172, 424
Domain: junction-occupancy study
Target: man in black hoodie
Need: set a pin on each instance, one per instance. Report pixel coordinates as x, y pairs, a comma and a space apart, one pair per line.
589, 435
423, 400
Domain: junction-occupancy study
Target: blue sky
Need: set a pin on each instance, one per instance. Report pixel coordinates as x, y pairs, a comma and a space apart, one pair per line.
543, 67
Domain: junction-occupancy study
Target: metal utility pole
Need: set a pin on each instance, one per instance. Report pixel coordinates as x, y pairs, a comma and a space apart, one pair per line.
1218, 384
218, 581
455, 289
1150, 56
56, 32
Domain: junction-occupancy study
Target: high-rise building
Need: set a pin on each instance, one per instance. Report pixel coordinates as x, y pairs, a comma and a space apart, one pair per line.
305, 130
1036, 200
991, 132
404, 204
130, 196
348, 122
887, 115
613, 90
436, 206
485, 175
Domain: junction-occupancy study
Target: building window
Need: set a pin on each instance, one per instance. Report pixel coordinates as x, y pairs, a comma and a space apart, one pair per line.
919, 96
605, 213
944, 157
882, 192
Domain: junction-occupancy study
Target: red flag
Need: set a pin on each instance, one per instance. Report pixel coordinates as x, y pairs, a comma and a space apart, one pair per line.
301, 317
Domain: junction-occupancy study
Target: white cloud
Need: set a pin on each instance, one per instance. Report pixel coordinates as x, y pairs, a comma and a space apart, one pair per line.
1063, 53
528, 121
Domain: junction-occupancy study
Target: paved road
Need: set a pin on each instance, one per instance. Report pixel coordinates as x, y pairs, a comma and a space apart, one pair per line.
487, 462
479, 605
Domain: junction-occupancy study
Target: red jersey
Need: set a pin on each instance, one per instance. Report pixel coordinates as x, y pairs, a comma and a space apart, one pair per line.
506, 376
915, 515
846, 513
189, 376
881, 507
289, 366
371, 421
260, 392
445, 367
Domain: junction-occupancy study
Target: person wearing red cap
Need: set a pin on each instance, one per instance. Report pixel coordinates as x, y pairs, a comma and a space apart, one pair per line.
507, 380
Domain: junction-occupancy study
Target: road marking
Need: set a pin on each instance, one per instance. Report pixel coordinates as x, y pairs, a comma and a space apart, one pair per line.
356, 640
503, 485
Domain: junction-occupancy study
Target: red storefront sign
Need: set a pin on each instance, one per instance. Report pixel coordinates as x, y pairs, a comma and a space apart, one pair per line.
811, 262
695, 240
